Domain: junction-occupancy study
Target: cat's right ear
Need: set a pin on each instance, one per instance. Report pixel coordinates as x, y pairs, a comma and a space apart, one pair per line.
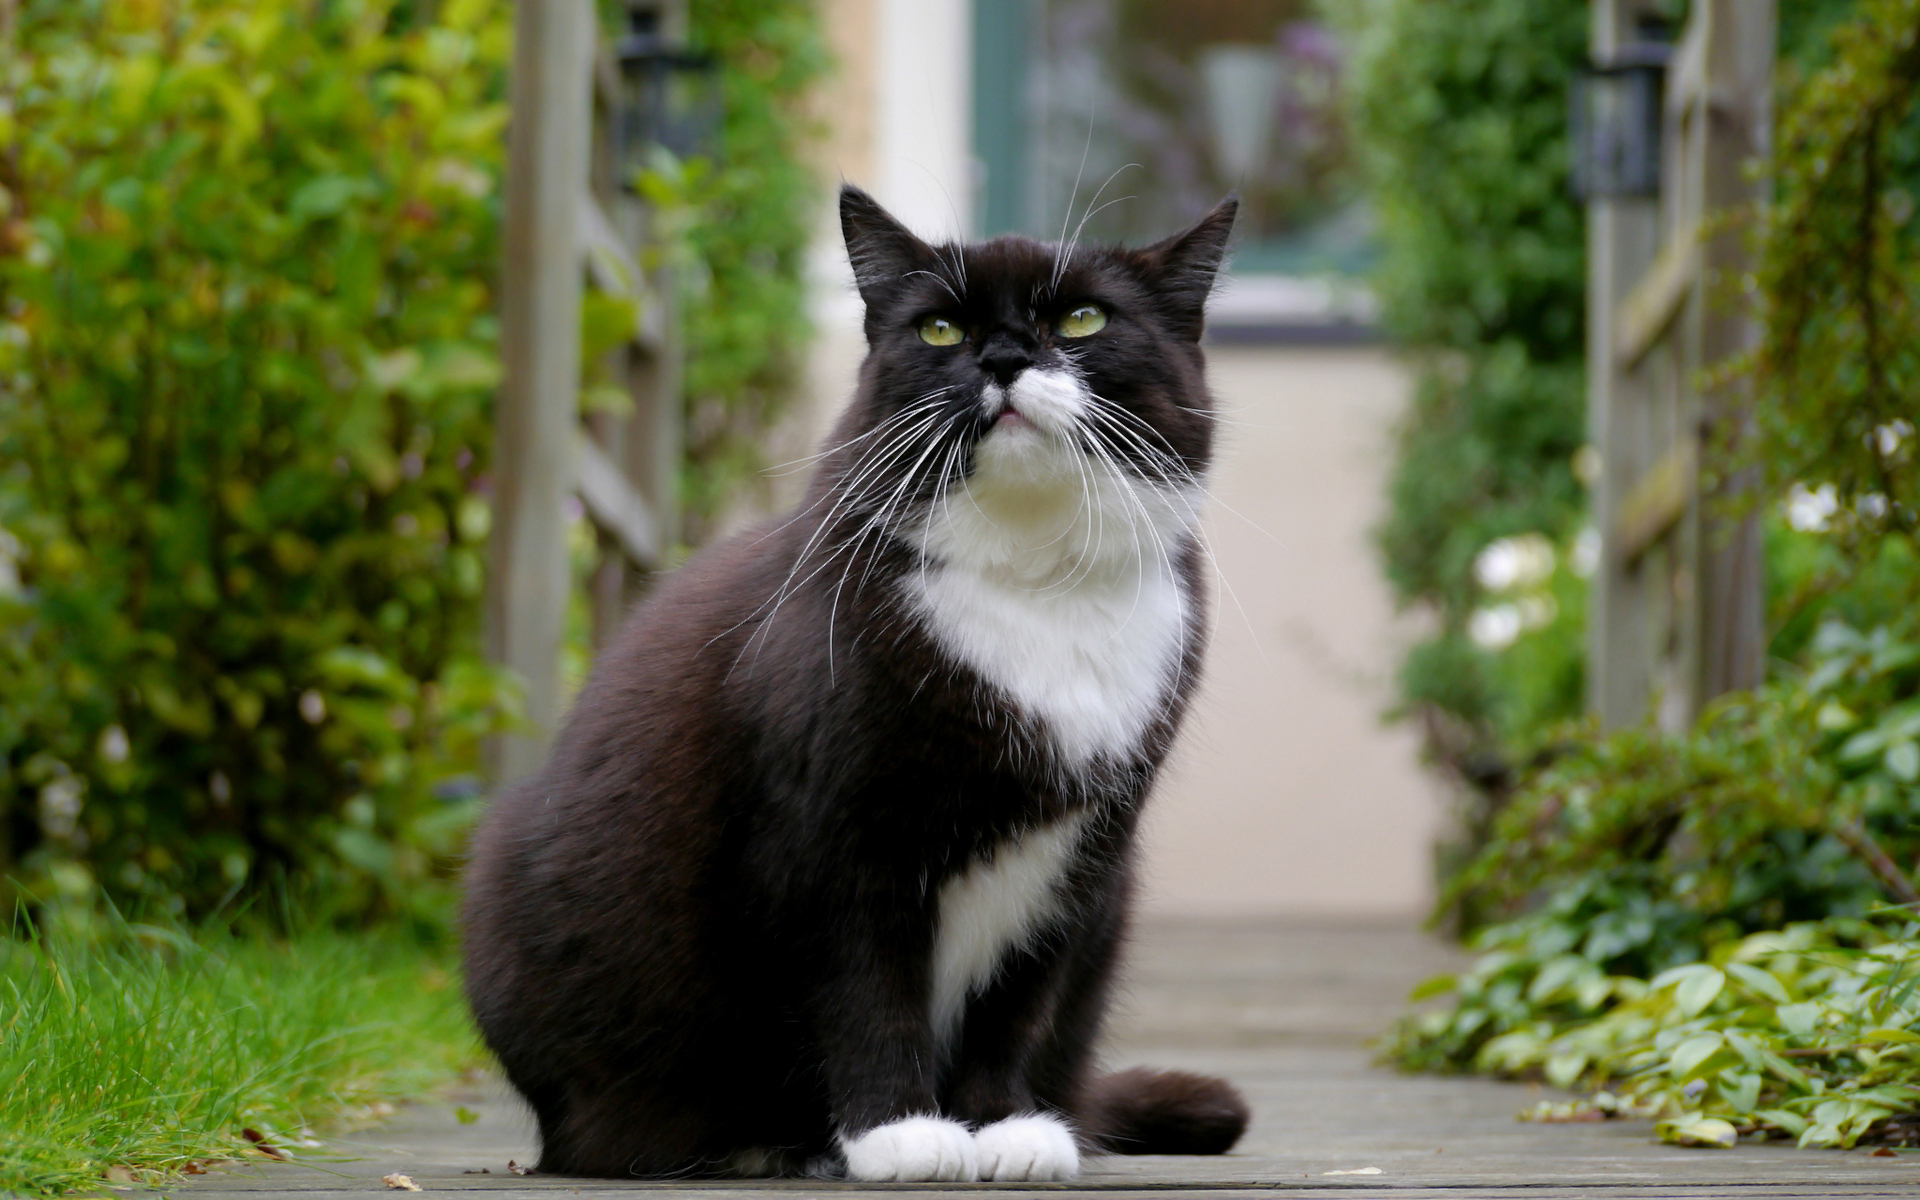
880, 249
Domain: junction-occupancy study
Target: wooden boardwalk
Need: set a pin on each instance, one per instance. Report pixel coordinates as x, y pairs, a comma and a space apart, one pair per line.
1282, 1009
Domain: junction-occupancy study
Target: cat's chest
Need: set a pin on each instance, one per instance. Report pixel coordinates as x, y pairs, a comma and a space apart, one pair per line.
1093, 664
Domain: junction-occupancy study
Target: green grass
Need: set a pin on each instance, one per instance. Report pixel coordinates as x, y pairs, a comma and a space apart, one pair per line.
150, 1049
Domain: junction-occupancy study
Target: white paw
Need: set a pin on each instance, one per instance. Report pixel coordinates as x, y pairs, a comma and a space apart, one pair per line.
910, 1150
1032, 1147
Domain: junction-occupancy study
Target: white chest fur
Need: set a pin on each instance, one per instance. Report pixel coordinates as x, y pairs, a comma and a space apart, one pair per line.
1050, 573
993, 907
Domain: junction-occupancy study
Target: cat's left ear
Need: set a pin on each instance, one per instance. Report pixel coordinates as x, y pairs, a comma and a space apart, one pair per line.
1182, 268
881, 249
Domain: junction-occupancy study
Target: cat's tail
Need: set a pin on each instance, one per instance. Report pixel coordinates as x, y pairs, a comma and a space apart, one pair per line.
1143, 1111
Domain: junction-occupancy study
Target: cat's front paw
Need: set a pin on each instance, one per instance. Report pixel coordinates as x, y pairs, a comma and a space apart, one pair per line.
1030, 1147
911, 1150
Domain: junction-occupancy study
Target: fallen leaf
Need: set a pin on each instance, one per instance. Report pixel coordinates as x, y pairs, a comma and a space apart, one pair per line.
1886, 1152
118, 1175
400, 1183
1355, 1171
517, 1169
465, 1115
1700, 1132
261, 1144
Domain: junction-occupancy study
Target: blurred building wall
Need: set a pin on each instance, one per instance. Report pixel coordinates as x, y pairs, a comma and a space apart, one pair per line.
1287, 794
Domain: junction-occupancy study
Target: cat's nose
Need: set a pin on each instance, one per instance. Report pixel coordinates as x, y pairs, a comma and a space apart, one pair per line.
1004, 358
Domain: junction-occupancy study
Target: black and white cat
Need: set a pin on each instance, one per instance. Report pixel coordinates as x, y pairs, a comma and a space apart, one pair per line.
830, 868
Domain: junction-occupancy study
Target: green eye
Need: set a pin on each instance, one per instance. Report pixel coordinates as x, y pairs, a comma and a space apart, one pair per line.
1083, 320
939, 331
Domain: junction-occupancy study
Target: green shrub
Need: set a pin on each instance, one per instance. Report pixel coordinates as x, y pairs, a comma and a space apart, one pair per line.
746, 243
1698, 922
1460, 111
246, 356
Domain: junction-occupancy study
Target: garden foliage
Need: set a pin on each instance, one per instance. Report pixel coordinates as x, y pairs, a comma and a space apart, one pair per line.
246, 357
751, 220
1461, 114
1717, 926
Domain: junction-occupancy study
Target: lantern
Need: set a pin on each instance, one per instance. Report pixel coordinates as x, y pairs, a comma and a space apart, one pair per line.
1616, 125
671, 99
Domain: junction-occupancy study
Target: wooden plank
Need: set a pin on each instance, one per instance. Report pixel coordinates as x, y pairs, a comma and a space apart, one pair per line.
1655, 504
614, 270
615, 506
1687, 73
547, 167
1650, 307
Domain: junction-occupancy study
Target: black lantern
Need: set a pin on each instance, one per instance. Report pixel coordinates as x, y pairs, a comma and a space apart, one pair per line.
672, 94
1616, 124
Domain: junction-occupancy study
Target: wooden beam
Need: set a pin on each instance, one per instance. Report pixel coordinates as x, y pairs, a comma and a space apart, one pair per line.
1687, 72
614, 270
616, 507
1647, 310
535, 438
1655, 504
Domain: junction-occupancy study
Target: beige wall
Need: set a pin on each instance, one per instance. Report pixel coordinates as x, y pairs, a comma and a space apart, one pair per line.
1287, 793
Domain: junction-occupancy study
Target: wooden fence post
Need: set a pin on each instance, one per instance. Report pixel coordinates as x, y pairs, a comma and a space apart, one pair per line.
1622, 233
570, 220
1677, 614
534, 447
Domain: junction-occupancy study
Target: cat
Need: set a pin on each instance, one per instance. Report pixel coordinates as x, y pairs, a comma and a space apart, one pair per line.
830, 867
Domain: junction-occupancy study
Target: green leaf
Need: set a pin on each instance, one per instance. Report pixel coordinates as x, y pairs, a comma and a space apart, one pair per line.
1903, 761
1563, 1070
1792, 1122
1760, 982
1436, 985
1689, 1054
1901, 1036
1707, 1133
1800, 1019
328, 195
1697, 990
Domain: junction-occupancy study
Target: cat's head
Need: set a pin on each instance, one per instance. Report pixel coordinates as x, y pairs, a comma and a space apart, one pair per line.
1030, 375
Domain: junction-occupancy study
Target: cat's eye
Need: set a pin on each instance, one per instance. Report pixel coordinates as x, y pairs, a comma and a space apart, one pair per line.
1082, 320
941, 331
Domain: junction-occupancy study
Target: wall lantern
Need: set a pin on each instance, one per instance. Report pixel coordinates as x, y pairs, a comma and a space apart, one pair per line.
1616, 124
672, 94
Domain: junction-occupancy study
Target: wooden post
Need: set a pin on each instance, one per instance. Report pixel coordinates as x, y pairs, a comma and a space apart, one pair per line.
547, 163
1622, 234
1677, 602
643, 449
1734, 123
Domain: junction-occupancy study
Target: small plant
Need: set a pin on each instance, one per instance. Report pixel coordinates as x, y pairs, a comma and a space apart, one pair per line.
146, 1050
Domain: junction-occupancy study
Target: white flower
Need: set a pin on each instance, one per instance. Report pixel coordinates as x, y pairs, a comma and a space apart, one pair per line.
1521, 561
1811, 509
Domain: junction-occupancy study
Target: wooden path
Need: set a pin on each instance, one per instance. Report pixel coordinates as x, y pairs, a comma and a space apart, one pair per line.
1284, 1011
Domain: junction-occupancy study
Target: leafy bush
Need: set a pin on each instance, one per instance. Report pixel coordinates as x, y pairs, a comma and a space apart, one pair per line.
1841, 356
746, 243
1460, 110
1696, 922
246, 353
1806, 1032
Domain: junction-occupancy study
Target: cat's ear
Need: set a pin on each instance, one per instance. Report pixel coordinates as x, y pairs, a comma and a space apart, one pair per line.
880, 249
1181, 268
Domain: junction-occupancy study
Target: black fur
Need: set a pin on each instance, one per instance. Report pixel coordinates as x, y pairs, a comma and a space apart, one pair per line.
705, 925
